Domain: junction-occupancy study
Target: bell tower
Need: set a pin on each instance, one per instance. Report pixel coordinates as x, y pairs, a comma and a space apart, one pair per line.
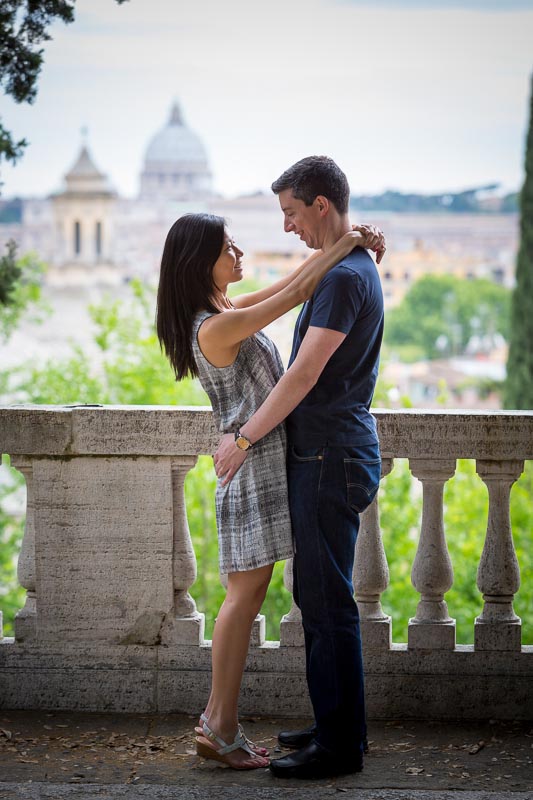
84, 216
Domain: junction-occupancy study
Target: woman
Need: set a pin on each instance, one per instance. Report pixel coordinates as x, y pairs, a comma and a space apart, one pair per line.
206, 334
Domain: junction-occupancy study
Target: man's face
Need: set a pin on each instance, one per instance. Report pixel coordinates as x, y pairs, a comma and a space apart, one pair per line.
304, 221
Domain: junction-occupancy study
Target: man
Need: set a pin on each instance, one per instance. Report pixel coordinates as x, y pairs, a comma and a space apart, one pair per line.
333, 464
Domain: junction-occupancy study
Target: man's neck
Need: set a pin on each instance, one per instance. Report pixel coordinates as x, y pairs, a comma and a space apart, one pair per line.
337, 227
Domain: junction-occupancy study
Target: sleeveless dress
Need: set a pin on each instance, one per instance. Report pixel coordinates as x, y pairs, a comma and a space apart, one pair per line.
252, 511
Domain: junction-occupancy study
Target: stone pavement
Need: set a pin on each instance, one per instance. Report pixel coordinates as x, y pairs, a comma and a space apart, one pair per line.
72, 756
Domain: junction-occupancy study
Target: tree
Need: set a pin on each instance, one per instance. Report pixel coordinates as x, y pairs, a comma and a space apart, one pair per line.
440, 315
131, 369
23, 28
20, 288
519, 384
10, 273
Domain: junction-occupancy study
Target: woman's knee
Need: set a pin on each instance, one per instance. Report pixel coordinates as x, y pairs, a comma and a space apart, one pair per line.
249, 588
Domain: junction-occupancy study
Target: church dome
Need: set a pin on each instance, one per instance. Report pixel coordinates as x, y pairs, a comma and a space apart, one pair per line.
175, 142
175, 165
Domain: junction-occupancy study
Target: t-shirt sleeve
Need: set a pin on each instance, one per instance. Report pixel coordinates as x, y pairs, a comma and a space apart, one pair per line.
337, 300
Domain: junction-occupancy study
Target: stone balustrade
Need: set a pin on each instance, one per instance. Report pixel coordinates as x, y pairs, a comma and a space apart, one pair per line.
107, 564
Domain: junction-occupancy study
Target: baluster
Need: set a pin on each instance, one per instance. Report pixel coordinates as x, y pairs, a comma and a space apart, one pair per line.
498, 575
371, 576
25, 623
186, 624
258, 632
291, 633
432, 574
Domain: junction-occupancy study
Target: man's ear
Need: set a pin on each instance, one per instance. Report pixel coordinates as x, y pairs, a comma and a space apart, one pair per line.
322, 204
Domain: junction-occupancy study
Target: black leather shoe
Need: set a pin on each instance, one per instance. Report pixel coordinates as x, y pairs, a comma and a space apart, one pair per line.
315, 762
297, 739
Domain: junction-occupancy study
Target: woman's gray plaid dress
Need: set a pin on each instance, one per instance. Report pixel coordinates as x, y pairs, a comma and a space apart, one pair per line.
252, 511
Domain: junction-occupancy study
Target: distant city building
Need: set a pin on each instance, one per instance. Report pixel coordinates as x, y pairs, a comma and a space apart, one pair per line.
88, 234
175, 165
92, 238
83, 218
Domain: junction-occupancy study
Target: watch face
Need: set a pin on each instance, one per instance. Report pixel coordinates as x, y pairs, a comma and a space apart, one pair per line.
242, 443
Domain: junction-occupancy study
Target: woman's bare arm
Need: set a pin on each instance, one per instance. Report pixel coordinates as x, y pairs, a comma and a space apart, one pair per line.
374, 240
252, 298
220, 335
317, 347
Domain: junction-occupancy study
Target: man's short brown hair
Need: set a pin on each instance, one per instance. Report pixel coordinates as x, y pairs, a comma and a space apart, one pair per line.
313, 176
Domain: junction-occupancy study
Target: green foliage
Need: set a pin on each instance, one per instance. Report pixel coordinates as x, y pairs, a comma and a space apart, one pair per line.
246, 286
10, 273
131, 369
207, 590
465, 525
20, 289
469, 201
440, 313
11, 530
10, 149
519, 384
23, 28
465, 520
399, 509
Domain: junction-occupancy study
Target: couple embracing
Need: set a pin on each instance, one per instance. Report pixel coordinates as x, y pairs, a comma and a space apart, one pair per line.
299, 456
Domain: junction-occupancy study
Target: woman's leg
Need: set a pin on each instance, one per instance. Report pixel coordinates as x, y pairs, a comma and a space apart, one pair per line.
231, 638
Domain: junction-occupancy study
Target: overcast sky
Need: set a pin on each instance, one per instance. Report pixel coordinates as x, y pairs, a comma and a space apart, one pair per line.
407, 94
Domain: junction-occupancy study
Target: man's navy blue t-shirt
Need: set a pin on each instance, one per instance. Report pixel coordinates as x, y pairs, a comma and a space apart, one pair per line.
348, 299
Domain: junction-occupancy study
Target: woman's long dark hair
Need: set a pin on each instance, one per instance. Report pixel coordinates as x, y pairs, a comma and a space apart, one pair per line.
192, 247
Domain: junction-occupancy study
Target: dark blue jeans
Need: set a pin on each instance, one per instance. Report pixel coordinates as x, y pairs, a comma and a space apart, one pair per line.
328, 488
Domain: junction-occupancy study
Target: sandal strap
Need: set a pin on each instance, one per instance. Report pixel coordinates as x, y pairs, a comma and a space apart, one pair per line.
203, 718
239, 743
244, 736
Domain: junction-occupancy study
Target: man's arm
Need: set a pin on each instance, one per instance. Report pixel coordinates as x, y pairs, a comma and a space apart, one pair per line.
318, 345
374, 239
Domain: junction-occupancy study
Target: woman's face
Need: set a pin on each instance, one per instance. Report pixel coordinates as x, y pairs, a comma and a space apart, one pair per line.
227, 268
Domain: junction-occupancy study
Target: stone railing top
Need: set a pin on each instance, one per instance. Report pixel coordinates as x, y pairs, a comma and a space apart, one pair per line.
39, 430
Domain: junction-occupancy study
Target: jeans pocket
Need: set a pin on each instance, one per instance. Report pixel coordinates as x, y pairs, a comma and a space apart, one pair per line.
307, 453
362, 481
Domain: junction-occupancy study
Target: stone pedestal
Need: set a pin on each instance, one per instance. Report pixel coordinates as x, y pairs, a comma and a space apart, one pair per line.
104, 549
376, 634
291, 632
498, 577
25, 623
371, 576
258, 635
432, 575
